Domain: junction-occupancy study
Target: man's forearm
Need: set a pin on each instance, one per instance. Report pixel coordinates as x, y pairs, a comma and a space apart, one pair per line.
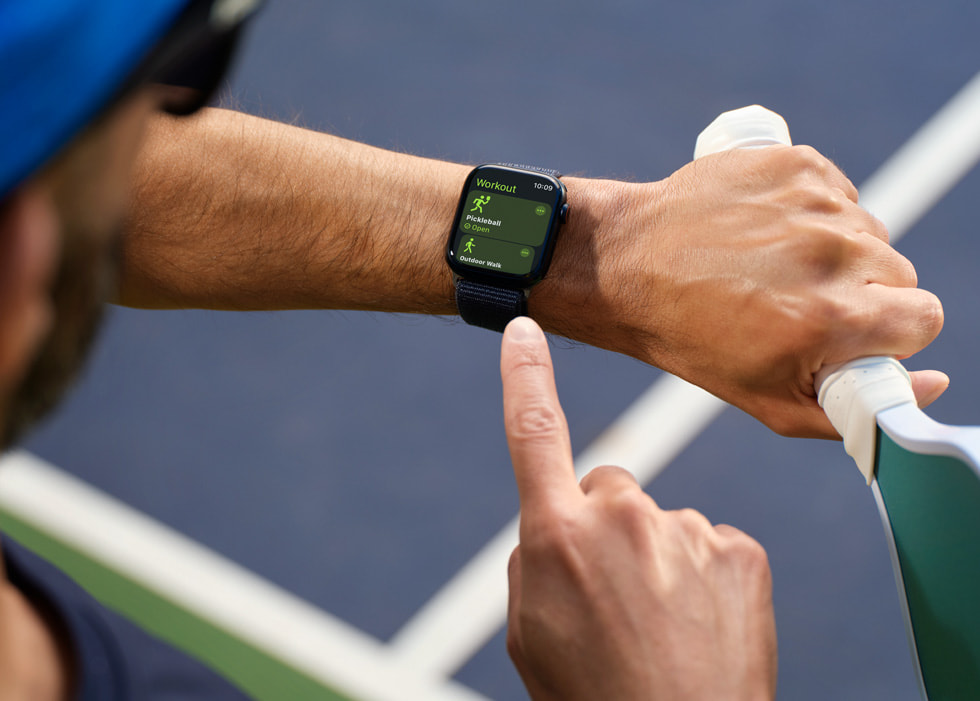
236, 212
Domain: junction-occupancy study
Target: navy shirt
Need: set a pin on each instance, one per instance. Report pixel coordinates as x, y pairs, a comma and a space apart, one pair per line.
116, 661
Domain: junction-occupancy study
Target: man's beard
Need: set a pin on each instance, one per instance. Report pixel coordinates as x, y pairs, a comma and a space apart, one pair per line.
86, 277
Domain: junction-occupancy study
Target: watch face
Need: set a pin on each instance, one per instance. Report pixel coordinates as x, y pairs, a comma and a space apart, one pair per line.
505, 227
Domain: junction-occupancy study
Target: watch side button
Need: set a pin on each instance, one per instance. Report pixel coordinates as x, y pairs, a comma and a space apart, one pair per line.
563, 213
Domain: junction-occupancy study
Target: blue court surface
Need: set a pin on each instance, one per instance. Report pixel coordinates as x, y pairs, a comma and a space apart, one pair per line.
358, 460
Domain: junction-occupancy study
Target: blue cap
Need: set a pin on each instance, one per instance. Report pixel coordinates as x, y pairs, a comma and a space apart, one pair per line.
60, 63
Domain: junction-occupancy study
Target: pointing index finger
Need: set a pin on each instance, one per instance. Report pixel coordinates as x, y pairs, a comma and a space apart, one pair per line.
537, 434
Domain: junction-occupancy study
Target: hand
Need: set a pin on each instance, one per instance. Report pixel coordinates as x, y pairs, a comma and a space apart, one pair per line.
610, 596
743, 273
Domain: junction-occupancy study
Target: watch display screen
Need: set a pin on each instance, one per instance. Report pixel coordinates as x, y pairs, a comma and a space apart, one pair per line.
505, 223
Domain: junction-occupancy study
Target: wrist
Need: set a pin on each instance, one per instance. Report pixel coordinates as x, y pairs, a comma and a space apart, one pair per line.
591, 292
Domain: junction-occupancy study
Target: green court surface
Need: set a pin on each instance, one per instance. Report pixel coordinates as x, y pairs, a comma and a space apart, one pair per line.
255, 671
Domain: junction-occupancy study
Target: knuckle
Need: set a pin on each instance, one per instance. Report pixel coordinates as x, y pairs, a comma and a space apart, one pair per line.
607, 472
559, 546
745, 549
751, 551
877, 228
837, 200
819, 198
810, 163
804, 157
619, 499
811, 159
906, 272
607, 478
691, 521
630, 506
754, 559
535, 420
932, 316
551, 536
937, 315
527, 359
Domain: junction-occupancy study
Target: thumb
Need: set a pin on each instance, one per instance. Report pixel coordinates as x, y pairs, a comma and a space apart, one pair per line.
537, 434
928, 385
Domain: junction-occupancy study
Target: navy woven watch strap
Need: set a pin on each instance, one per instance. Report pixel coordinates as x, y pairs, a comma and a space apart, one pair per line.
487, 306
523, 166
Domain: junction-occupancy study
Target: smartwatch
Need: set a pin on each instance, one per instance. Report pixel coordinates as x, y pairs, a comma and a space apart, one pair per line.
502, 239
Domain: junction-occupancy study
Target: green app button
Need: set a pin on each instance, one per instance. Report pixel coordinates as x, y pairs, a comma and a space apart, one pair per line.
493, 254
490, 214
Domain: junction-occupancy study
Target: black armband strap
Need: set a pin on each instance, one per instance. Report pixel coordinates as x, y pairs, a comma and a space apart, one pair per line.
487, 306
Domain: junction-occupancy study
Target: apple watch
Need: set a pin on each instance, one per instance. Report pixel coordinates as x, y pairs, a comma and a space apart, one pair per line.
502, 240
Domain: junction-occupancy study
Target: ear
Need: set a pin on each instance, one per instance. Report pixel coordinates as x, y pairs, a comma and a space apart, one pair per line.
28, 254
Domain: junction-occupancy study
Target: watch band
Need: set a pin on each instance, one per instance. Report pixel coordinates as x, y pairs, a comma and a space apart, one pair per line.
523, 166
488, 306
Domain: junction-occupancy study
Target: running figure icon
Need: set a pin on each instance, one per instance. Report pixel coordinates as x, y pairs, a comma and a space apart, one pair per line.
479, 202
468, 248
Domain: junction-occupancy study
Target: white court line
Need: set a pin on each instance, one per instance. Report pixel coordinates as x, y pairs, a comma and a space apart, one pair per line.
470, 608
211, 586
928, 165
